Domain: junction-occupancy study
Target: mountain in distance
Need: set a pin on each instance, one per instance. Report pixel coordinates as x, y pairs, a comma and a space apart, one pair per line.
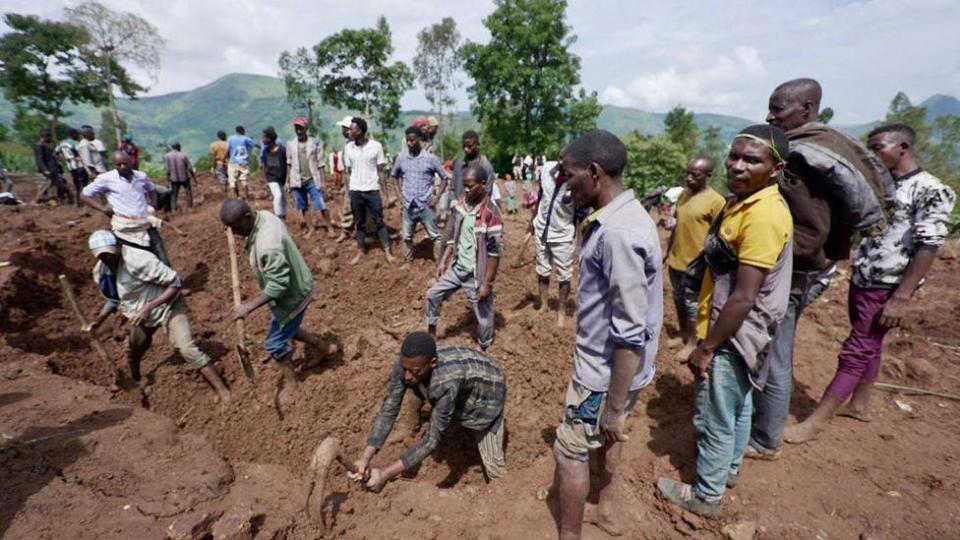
255, 101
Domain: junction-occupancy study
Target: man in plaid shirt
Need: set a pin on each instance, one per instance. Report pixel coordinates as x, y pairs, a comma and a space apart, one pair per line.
462, 384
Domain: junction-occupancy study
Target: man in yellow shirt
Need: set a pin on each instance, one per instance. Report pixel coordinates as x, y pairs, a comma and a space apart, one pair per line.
696, 208
218, 158
749, 255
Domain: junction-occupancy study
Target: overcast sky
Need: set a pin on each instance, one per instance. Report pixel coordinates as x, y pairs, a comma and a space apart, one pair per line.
720, 56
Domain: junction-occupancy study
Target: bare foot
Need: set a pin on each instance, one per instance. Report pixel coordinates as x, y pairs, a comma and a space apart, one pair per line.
342, 237
543, 307
224, 399
388, 256
356, 259
857, 413
331, 233
606, 522
309, 232
560, 319
287, 391
801, 433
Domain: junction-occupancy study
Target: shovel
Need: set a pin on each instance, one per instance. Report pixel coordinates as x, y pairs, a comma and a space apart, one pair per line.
242, 353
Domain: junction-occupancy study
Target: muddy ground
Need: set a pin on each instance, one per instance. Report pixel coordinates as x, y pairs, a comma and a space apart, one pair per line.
79, 461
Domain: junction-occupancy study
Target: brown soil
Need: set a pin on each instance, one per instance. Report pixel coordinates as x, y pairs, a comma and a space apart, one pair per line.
896, 477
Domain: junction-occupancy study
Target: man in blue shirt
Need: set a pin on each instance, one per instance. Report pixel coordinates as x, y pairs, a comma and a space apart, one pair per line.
413, 171
238, 147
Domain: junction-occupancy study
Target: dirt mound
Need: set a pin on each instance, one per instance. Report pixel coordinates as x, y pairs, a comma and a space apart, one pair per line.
366, 309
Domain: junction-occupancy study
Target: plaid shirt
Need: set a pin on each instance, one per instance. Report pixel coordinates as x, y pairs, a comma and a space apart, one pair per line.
466, 386
416, 176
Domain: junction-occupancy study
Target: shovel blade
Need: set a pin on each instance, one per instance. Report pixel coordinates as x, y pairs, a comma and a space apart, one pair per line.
244, 356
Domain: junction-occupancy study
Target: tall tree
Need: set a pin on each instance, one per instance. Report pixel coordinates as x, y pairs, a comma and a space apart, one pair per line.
583, 111
118, 39
902, 111
301, 80
354, 73
713, 145
524, 77
652, 162
437, 62
108, 131
681, 129
44, 68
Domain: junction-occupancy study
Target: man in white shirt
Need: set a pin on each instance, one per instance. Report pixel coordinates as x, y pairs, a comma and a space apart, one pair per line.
553, 227
363, 159
92, 152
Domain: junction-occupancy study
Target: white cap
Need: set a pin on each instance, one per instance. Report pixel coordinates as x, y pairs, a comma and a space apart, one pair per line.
346, 122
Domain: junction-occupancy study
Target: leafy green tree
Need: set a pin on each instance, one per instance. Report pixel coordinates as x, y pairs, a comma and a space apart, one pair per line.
826, 115
584, 110
524, 78
714, 146
354, 73
681, 129
652, 162
108, 131
29, 125
300, 75
902, 111
437, 62
44, 68
117, 39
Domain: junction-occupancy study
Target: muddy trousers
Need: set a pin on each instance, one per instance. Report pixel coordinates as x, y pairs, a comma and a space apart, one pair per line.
451, 282
175, 188
177, 328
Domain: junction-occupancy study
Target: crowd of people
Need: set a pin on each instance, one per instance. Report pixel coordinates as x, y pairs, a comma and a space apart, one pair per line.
742, 267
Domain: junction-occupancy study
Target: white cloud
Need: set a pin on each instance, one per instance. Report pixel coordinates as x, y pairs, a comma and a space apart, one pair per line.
697, 79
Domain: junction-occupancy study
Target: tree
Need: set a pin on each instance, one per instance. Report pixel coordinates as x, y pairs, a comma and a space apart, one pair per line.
437, 62
681, 129
44, 68
524, 78
353, 73
584, 110
826, 115
902, 111
714, 146
29, 125
301, 80
117, 39
108, 131
652, 162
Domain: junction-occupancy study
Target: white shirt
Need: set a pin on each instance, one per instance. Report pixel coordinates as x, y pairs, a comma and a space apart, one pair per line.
363, 164
556, 210
128, 199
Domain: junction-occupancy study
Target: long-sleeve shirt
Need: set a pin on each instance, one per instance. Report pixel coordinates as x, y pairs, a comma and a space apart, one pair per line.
466, 386
921, 212
46, 160
279, 267
621, 292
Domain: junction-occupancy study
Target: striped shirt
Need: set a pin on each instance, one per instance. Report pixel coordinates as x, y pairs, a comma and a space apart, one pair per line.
466, 386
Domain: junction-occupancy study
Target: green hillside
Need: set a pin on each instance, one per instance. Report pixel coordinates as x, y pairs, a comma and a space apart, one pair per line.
257, 101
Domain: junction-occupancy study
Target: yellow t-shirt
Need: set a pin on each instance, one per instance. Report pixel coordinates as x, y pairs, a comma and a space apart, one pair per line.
219, 151
757, 229
694, 214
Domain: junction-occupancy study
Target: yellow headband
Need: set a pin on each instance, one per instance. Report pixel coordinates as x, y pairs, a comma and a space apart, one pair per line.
769, 144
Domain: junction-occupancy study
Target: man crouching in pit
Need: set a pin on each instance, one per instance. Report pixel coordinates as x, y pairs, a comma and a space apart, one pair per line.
462, 384
147, 292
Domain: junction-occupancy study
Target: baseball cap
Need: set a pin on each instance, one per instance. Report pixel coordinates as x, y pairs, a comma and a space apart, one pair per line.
102, 241
300, 121
432, 121
346, 122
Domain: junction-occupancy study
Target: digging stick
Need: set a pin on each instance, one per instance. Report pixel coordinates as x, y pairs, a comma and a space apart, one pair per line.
912, 390
242, 353
94, 342
523, 249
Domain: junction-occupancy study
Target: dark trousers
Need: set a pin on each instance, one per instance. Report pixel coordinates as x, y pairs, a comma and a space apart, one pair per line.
368, 201
55, 182
80, 179
175, 190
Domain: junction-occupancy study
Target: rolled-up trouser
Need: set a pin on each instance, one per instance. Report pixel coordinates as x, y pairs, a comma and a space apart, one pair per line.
583, 409
175, 188
369, 201
425, 216
278, 342
177, 328
490, 445
451, 281
279, 199
221, 172
555, 256
237, 175
443, 204
685, 299
346, 212
862, 351
721, 417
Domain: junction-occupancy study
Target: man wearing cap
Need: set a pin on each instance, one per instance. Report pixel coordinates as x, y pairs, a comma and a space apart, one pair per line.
147, 292
346, 211
305, 158
363, 160
129, 196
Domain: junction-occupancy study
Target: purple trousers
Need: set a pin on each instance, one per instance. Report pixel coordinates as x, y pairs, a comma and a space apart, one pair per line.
862, 351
